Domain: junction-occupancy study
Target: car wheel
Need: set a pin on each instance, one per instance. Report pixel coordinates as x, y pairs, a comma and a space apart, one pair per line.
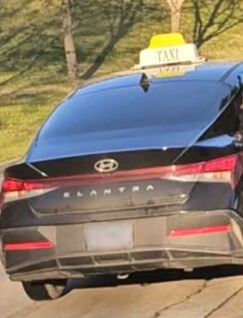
45, 290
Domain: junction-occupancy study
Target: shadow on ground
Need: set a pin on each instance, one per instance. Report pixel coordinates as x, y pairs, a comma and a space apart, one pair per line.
159, 276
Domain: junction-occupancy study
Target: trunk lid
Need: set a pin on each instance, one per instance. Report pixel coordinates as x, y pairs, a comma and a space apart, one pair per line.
137, 183
143, 179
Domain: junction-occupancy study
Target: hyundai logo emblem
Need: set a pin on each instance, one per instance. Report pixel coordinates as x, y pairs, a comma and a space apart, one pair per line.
106, 165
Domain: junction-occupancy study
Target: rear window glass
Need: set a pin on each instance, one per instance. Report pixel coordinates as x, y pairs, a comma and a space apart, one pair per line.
167, 104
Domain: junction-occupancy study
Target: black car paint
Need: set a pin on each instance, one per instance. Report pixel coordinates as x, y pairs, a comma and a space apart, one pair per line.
24, 220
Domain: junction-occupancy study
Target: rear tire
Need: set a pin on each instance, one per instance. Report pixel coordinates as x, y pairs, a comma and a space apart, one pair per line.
40, 291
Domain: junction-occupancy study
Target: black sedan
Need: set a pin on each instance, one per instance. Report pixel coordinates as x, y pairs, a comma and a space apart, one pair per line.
135, 172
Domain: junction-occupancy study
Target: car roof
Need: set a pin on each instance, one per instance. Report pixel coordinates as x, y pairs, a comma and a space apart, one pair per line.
217, 71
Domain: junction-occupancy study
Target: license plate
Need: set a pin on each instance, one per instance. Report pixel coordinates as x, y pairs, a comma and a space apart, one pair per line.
107, 236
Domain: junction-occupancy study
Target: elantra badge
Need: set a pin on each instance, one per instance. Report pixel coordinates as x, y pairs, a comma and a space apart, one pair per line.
106, 165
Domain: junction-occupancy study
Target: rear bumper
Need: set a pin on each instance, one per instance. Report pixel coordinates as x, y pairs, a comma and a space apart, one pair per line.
48, 270
155, 245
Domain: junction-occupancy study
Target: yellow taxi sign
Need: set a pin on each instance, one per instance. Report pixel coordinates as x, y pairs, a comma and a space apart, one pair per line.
168, 49
167, 39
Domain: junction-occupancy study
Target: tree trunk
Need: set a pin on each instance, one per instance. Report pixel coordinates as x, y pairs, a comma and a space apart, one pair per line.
175, 9
69, 46
175, 20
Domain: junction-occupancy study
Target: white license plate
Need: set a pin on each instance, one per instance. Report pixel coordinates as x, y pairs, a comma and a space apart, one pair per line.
107, 236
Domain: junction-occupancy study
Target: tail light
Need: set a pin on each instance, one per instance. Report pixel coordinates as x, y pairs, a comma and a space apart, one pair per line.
13, 189
201, 230
224, 169
218, 170
25, 246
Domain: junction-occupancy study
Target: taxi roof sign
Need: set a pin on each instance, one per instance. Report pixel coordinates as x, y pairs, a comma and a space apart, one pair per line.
168, 49
167, 39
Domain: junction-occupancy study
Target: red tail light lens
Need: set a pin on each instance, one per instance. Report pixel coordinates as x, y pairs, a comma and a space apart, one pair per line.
12, 185
217, 170
25, 246
201, 230
13, 189
216, 165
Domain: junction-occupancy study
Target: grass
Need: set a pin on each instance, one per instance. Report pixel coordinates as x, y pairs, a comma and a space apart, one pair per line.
27, 100
23, 109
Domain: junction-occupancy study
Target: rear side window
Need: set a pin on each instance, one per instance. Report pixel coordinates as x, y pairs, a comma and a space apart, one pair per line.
230, 121
171, 105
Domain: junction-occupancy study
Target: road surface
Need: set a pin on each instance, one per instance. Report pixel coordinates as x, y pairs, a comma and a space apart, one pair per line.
171, 295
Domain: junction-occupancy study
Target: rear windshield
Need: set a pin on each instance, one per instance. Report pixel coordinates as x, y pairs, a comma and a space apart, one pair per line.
168, 104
